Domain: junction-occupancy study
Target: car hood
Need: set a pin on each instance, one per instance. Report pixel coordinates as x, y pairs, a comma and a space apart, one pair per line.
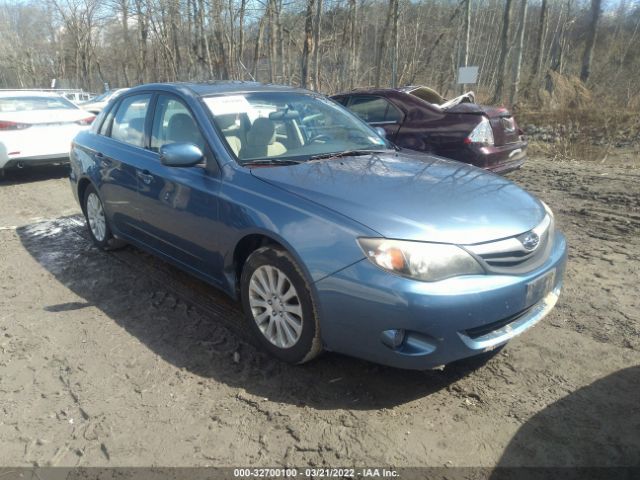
413, 196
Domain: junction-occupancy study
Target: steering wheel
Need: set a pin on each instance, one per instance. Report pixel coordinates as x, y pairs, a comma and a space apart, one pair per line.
321, 137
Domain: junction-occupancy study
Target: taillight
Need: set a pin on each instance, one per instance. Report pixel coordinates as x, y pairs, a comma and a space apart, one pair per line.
6, 125
86, 121
481, 134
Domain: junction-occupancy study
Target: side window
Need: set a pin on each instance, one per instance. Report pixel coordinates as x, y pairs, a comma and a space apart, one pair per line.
173, 123
106, 123
128, 123
374, 109
394, 114
342, 100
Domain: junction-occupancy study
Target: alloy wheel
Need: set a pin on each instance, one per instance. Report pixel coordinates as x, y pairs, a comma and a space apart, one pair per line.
95, 216
275, 306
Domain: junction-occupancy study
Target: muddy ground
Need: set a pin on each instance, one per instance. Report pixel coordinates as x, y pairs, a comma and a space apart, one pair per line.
119, 359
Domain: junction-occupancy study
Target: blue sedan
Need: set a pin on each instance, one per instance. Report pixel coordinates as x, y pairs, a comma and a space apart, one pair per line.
330, 236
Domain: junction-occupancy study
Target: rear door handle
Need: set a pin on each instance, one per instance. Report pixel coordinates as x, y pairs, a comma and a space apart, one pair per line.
106, 161
145, 176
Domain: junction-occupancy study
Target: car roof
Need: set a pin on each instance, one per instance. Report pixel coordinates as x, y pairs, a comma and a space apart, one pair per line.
218, 87
371, 91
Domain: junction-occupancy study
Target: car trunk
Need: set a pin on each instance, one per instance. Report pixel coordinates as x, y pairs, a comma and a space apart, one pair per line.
46, 117
504, 126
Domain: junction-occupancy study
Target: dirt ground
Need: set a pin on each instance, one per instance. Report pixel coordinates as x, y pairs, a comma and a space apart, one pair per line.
119, 359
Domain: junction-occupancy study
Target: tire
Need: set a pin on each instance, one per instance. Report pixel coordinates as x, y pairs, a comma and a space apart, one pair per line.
279, 307
97, 223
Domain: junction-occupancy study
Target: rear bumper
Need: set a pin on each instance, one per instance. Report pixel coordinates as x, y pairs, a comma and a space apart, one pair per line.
19, 162
443, 321
502, 159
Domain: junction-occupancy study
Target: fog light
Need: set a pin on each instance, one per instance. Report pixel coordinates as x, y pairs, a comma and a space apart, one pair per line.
393, 338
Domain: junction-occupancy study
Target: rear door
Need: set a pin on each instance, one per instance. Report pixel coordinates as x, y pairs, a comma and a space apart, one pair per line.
377, 112
118, 152
179, 205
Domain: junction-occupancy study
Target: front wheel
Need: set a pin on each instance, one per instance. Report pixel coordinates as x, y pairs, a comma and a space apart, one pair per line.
279, 307
97, 221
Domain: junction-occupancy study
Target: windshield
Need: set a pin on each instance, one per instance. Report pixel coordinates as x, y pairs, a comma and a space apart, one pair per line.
288, 126
26, 103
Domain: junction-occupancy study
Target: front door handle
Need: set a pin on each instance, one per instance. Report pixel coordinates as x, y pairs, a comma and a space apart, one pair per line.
145, 176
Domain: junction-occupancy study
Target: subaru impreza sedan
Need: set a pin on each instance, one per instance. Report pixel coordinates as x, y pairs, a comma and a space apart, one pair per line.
331, 237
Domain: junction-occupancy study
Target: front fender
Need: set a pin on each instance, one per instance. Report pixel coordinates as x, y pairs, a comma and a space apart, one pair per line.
322, 241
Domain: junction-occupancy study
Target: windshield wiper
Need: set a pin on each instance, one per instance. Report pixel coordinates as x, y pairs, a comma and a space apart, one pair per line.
271, 161
346, 153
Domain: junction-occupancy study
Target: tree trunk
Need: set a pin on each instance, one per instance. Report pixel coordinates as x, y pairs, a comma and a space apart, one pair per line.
308, 47
466, 35
382, 45
258, 47
587, 56
316, 42
353, 45
504, 50
394, 65
517, 64
537, 59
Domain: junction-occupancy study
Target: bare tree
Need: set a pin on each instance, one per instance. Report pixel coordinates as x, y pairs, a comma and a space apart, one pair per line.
316, 41
587, 56
504, 50
517, 64
308, 46
382, 45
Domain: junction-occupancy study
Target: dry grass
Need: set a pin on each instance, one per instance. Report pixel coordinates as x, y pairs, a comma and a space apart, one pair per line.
588, 133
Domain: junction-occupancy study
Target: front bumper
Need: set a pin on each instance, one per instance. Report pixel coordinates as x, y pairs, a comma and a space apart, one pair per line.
444, 321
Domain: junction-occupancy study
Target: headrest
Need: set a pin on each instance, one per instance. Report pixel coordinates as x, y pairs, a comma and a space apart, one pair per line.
181, 128
263, 132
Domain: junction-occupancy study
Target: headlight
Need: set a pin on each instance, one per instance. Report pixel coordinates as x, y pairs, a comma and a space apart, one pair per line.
428, 262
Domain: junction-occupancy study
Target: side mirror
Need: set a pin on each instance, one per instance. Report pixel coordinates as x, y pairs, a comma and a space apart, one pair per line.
180, 155
381, 131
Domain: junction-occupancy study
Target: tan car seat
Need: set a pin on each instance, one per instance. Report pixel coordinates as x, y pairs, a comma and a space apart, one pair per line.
261, 141
230, 130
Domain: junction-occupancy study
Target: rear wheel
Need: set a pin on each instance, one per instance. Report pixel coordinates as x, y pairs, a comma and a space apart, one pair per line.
97, 221
278, 306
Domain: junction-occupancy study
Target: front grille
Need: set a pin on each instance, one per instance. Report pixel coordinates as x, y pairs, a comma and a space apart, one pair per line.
510, 255
482, 330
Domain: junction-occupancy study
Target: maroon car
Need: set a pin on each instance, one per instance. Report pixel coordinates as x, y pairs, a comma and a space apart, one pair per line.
419, 119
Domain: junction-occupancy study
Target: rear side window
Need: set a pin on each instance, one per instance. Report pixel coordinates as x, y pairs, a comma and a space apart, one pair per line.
128, 122
340, 100
375, 109
173, 123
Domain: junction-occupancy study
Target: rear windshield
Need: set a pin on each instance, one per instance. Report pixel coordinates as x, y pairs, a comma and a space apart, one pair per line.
26, 104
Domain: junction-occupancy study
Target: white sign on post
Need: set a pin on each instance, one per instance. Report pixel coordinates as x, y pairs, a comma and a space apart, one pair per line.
467, 75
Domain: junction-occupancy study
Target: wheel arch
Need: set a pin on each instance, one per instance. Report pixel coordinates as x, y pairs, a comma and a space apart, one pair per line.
83, 183
252, 241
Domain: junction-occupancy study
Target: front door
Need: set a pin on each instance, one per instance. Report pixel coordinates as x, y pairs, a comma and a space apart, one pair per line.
377, 112
179, 205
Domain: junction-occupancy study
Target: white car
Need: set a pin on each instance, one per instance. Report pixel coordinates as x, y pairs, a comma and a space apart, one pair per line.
37, 128
96, 104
